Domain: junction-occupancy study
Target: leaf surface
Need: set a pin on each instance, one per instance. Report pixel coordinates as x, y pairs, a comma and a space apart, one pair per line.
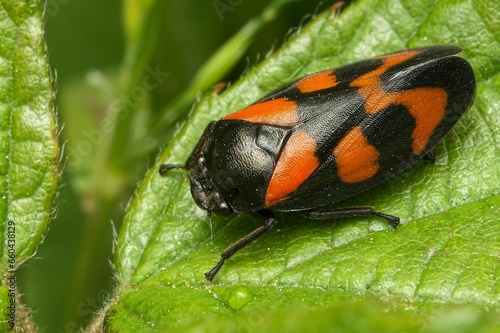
446, 252
29, 151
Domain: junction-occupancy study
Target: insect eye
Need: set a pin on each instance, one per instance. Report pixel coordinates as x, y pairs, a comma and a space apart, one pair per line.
223, 209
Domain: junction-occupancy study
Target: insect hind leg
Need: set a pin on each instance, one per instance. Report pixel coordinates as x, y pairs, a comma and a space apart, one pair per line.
362, 211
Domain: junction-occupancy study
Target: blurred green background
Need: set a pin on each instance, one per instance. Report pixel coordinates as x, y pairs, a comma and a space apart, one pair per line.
99, 51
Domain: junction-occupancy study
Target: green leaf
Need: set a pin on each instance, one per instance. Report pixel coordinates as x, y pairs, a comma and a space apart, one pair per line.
446, 252
29, 151
326, 310
5, 304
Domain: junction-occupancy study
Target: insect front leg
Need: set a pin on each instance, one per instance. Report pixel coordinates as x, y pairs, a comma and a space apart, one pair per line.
363, 211
269, 222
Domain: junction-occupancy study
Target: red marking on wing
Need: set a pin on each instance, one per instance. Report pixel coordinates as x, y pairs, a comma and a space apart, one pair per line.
295, 164
317, 82
280, 111
356, 158
426, 104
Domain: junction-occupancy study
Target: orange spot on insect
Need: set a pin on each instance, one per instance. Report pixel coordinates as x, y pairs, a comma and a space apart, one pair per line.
356, 158
427, 105
280, 111
316, 82
370, 85
296, 163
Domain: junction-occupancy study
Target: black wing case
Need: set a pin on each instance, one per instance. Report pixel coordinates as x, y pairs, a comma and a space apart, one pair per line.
377, 118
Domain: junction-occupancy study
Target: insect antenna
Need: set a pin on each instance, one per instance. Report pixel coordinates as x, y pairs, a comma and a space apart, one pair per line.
166, 167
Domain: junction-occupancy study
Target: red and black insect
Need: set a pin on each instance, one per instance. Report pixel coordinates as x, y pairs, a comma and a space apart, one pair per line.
327, 137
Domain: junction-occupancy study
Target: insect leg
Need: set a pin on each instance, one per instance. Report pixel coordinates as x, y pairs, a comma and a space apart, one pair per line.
363, 211
431, 157
269, 222
165, 167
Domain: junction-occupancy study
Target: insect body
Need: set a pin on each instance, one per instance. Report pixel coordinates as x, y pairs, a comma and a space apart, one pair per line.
329, 136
